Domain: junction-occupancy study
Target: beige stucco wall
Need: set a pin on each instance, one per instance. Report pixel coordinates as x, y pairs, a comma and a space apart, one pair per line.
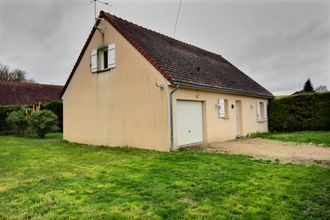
120, 107
220, 129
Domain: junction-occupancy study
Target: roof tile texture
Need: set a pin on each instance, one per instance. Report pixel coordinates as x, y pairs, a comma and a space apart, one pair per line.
180, 62
22, 93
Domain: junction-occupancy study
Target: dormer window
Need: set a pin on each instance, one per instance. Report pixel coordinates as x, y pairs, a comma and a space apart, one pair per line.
103, 58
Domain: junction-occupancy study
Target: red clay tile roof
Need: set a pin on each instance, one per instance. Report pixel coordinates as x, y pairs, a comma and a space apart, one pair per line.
22, 93
182, 63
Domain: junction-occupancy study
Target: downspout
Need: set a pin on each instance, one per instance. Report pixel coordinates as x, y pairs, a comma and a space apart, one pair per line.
171, 116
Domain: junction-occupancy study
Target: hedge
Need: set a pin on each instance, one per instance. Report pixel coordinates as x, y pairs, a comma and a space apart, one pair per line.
56, 107
301, 112
4, 113
293, 113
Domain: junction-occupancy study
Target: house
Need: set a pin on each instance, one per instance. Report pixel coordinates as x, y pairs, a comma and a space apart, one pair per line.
24, 93
135, 87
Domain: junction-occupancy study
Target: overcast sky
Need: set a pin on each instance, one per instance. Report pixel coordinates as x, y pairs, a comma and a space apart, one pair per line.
277, 43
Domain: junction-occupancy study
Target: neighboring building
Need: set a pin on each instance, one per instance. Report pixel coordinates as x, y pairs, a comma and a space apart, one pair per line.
321, 89
135, 87
24, 93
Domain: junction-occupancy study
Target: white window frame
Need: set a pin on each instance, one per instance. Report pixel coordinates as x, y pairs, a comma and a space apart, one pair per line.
94, 61
223, 108
98, 63
111, 56
261, 116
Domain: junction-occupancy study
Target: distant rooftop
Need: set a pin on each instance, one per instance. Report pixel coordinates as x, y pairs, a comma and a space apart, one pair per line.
23, 93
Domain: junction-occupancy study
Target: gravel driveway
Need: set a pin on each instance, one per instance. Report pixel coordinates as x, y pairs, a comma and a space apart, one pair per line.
284, 152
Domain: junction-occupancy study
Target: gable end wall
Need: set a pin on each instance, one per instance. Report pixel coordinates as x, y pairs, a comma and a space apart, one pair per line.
120, 107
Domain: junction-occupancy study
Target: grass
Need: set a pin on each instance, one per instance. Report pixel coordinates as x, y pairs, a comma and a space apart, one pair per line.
314, 137
50, 178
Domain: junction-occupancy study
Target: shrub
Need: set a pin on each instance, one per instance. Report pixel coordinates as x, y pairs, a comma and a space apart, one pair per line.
17, 120
4, 113
301, 112
43, 122
57, 108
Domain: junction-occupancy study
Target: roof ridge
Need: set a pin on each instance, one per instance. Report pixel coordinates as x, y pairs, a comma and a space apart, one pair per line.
28, 83
166, 36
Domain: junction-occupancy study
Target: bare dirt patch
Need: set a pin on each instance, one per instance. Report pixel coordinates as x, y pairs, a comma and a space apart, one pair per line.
284, 152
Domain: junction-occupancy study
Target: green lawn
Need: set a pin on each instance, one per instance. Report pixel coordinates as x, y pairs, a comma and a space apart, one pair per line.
47, 179
315, 137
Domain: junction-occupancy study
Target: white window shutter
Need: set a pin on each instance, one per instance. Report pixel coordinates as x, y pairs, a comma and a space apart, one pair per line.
221, 108
93, 61
111, 56
258, 111
265, 113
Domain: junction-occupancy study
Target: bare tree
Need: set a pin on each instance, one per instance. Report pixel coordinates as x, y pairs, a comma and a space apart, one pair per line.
18, 75
14, 75
4, 72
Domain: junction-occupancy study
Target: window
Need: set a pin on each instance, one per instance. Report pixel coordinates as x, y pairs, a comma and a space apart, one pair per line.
223, 108
261, 111
103, 58
226, 109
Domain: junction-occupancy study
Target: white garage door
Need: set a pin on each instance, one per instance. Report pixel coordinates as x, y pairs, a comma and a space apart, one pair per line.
189, 117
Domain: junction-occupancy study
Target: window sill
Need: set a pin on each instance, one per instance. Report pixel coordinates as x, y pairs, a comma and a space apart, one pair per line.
263, 121
101, 71
224, 117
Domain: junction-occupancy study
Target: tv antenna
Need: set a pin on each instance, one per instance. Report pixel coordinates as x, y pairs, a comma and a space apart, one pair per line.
177, 18
100, 2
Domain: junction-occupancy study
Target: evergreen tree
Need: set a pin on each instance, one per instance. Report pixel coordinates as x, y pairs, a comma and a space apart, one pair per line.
308, 87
